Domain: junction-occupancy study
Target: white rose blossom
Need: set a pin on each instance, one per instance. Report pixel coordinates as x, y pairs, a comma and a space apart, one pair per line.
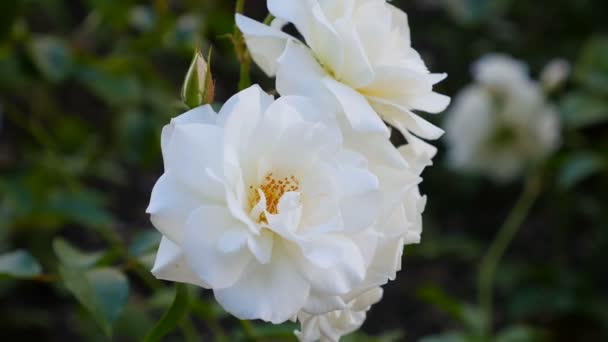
356, 56
400, 223
280, 211
502, 122
331, 326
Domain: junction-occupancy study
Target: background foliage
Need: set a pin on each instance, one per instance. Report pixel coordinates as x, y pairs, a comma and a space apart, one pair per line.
86, 86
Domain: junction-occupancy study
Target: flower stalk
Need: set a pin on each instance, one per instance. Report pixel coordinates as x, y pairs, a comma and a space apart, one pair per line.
503, 239
241, 50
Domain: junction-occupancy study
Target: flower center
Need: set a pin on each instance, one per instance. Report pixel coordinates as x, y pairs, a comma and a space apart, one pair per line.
273, 189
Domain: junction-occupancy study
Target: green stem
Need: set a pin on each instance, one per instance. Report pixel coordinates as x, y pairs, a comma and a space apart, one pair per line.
268, 20
249, 331
240, 6
241, 50
244, 80
490, 261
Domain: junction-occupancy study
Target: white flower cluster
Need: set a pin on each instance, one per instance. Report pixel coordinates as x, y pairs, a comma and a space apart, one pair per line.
299, 208
503, 122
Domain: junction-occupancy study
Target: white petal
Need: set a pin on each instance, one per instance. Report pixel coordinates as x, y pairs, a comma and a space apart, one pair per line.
298, 73
171, 204
366, 300
431, 102
357, 70
193, 149
171, 265
265, 43
318, 304
261, 246
205, 229
333, 264
203, 115
401, 22
418, 152
404, 120
385, 264
362, 201
271, 292
325, 41
296, 12
241, 114
232, 241
360, 114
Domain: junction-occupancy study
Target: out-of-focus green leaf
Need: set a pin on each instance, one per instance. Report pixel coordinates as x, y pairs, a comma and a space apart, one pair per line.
52, 57
578, 167
144, 242
73, 257
592, 67
8, 14
358, 336
449, 337
115, 87
138, 137
185, 33
82, 207
520, 334
580, 110
133, 323
103, 292
142, 18
11, 75
170, 320
115, 12
467, 314
473, 11
462, 247
19, 264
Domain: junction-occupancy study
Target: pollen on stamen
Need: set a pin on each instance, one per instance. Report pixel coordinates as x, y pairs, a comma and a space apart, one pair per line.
273, 189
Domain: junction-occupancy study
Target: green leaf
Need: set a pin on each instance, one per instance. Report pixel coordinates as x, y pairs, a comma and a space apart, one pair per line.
84, 207
111, 81
519, 333
579, 167
8, 15
73, 257
467, 314
19, 264
470, 12
103, 292
591, 69
52, 57
358, 336
172, 318
448, 337
144, 242
580, 110
134, 322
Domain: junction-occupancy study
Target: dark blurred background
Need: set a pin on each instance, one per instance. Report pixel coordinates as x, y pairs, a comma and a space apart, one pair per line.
86, 86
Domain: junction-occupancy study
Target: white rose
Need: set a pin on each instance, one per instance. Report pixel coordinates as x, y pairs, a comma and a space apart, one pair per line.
357, 57
266, 205
400, 223
502, 123
330, 327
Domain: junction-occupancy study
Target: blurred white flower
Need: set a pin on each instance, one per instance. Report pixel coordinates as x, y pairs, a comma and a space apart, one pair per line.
331, 326
555, 74
502, 122
277, 210
357, 57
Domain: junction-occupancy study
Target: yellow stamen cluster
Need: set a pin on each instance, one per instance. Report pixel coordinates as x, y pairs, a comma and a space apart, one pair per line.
273, 189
